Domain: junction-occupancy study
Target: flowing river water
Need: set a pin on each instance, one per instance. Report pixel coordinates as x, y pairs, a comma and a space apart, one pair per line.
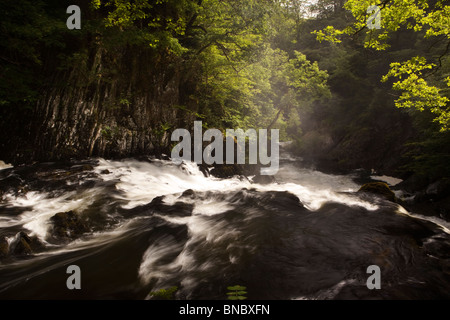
154, 225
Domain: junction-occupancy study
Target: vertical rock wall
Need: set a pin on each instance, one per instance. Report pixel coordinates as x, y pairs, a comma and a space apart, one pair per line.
109, 104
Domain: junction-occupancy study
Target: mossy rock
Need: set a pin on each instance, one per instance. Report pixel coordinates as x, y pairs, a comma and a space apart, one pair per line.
164, 294
379, 188
67, 225
87, 167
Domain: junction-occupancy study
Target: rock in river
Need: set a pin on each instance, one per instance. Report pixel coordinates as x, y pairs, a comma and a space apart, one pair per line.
4, 247
379, 188
67, 225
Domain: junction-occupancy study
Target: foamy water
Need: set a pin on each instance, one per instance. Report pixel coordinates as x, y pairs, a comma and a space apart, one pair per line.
216, 227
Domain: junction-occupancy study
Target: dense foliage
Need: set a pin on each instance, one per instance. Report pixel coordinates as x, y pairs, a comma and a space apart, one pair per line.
409, 54
247, 64
431, 20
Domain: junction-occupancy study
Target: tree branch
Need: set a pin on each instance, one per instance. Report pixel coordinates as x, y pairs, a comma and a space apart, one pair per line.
275, 120
194, 17
223, 49
447, 48
382, 6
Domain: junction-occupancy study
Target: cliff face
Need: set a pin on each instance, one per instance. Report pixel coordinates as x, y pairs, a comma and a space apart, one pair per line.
108, 103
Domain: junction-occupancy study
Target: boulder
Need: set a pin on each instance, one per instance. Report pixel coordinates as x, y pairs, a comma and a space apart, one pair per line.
164, 157
179, 208
81, 168
263, 179
22, 244
439, 189
12, 183
413, 184
36, 244
67, 225
226, 171
379, 188
4, 247
204, 169
188, 194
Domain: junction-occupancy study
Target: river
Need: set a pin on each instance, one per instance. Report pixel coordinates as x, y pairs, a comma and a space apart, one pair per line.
153, 225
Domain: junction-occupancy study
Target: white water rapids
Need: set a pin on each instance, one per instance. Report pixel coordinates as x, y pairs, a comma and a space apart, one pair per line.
221, 230
140, 182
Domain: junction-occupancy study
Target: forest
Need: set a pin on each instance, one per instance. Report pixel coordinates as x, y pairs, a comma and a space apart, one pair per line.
350, 89
313, 69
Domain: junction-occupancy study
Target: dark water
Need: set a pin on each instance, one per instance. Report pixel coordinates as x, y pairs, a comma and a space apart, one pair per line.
154, 225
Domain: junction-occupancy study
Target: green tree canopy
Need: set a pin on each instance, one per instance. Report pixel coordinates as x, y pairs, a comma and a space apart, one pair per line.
241, 79
423, 85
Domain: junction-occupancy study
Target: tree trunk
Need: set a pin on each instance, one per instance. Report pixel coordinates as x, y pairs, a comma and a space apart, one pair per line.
274, 121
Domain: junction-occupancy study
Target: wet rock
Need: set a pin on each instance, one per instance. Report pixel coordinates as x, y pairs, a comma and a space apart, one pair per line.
379, 188
433, 200
21, 245
64, 173
12, 183
106, 171
188, 194
204, 169
413, 184
439, 189
438, 247
263, 179
157, 201
36, 244
158, 206
67, 225
225, 171
4, 247
165, 157
179, 209
23, 189
87, 167
79, 168
442, 208
282, 199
